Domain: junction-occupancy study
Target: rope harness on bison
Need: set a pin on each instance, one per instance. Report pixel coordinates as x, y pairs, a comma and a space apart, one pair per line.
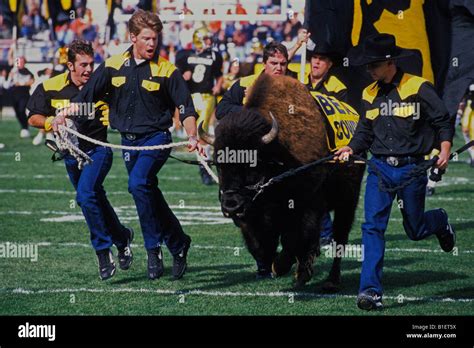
417, 171
66, 144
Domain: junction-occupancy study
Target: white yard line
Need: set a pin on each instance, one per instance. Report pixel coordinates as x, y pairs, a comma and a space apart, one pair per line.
64, 192
26, 212
400, 219
181, 213
85, 245
21, 291
229, 247
110, 176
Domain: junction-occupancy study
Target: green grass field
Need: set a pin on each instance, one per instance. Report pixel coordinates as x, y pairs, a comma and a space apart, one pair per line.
37, 206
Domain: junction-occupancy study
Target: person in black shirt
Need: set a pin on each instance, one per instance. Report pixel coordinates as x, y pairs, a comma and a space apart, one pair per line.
144, 90
404, 119
275, 60
47, 99
201, 67
19, 81
320, 79
202, 70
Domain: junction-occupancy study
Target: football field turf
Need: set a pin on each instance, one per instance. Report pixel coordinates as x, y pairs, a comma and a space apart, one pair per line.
37, 206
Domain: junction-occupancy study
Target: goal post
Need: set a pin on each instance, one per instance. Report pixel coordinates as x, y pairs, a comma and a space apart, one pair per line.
228, 11
218, 10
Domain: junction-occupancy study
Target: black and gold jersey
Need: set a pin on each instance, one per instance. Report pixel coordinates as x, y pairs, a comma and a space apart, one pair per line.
206, 67
55, 94
234, 99
329, 85
402, 118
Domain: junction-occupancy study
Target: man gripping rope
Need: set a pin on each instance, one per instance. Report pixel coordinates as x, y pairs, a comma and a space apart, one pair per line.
404, 120
144, 90
321, 80
50, 97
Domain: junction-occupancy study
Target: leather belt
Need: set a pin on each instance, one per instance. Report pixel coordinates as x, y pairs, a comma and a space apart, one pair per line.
134, 136
400, 161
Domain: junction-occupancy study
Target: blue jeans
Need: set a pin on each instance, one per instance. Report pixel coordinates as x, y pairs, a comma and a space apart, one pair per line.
104, 225
326, 226
417, 223
157, 221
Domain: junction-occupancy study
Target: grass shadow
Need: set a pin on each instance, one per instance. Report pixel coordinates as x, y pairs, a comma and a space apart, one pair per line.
460, 226
391, 280
191, 271
467, 292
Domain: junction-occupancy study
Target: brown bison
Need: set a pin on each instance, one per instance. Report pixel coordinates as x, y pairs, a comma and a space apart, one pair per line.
282, 124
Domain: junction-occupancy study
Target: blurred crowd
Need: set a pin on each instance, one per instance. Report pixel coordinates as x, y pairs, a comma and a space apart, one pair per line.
242, 39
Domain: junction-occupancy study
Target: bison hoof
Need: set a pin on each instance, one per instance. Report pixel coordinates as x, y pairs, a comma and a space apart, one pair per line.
263, 274
282, 264
330, 286
299, 284
302, 277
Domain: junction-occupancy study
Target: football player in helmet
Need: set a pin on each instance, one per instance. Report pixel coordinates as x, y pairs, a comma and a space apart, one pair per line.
202, 69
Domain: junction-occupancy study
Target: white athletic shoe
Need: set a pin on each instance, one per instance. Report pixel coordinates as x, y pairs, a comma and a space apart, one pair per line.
50, 136
25, 133
2, 146
38, 139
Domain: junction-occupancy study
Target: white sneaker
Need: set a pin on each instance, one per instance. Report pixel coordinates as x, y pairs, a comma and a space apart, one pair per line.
25, 133
50, 136
2, 146
38, 139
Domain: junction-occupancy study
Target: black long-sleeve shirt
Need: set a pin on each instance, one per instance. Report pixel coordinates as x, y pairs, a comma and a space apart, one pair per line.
206, 67
402, 118
56, 93
143, 96
234, 99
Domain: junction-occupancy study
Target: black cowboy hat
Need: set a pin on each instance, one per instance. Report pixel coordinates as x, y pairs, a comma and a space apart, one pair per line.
324, 49
376, 48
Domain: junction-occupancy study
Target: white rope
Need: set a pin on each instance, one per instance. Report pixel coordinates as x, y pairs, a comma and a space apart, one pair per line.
124, 147
208, 169
82, 158
66, 144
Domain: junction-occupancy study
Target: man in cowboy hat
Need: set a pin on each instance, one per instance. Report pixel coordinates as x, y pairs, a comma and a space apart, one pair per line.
404, 120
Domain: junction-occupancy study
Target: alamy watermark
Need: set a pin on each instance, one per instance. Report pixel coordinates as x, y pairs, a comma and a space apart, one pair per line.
19, 251
232, 156
78, 110
351, 251
402, 109
37, 331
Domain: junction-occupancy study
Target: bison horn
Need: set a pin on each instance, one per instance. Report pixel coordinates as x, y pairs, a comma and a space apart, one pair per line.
271, 135
203, 135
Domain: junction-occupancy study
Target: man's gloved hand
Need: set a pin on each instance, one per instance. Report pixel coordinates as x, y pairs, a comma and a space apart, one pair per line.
104, 109
48, 123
